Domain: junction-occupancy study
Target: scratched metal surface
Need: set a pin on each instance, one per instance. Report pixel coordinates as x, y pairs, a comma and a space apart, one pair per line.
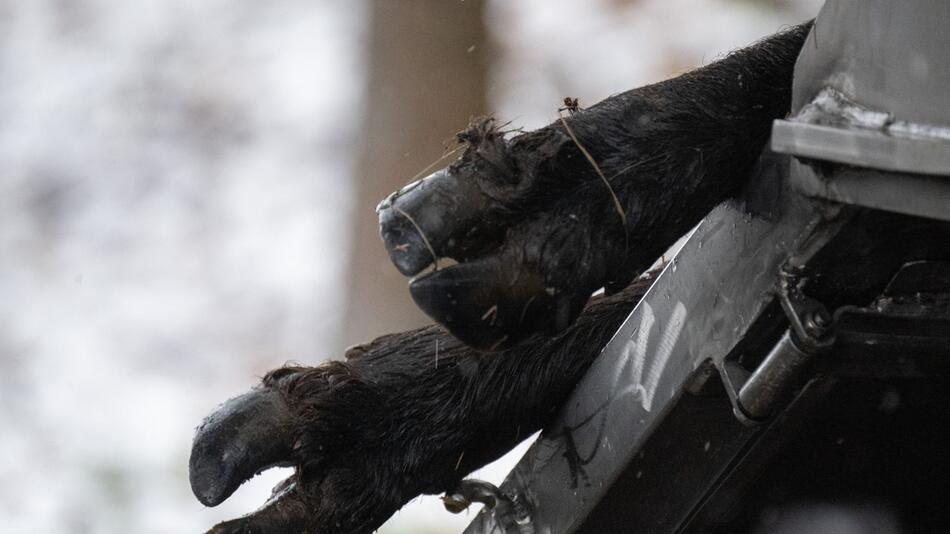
697, 310
913, 194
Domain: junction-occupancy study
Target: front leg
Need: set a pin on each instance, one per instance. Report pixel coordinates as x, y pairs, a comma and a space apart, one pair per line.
536, 226
406, 414
539, 221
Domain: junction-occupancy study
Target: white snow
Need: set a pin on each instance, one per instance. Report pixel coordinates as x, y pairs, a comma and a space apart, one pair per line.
173, 176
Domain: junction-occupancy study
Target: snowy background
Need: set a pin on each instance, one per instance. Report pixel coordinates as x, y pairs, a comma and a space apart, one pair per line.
173, 176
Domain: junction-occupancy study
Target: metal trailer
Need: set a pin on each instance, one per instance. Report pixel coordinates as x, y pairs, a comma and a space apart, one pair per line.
797, 348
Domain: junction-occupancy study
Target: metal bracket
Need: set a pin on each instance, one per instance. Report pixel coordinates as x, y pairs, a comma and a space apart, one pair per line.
782, 371
811, 324
510, 513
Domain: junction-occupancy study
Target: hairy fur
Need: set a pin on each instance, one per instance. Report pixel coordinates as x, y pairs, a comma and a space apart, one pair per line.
537, 224
684, 144
536, 230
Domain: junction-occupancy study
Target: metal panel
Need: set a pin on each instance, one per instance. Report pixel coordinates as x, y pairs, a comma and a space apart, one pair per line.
871, 87
912, 194
883, 54
696, 311
862, 147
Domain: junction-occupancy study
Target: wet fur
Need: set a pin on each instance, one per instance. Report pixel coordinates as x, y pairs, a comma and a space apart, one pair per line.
684, 144
414, 412
412, 420
539, 211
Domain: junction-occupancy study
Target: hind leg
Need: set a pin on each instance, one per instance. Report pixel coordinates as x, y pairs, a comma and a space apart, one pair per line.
536, 225
539, 221
406, 414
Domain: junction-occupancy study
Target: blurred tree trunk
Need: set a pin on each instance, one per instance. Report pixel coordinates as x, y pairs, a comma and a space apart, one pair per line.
427, 79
